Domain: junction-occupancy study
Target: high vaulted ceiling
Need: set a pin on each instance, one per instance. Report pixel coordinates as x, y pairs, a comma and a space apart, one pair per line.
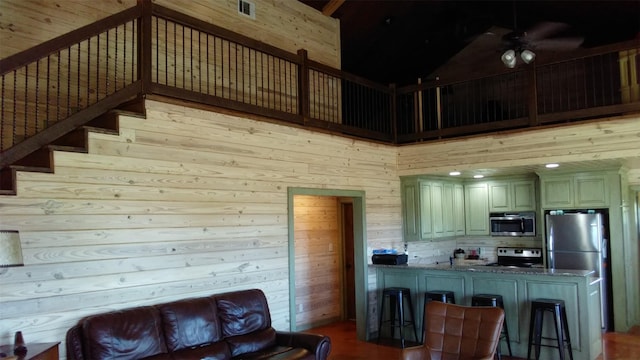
403, 40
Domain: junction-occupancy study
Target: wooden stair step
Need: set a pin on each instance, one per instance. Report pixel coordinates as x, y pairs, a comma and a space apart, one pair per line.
8, 177
77, 140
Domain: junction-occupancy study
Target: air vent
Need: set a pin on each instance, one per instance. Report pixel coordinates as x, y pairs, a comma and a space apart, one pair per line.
247, 8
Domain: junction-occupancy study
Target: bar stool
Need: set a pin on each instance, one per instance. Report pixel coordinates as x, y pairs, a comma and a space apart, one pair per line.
396, 297
444, 296
495, 301
538, 308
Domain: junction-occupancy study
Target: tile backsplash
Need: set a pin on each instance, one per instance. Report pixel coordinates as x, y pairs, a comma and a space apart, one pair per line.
428, 252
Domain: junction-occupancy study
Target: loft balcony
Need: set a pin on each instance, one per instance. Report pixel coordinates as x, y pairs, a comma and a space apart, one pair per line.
148, 50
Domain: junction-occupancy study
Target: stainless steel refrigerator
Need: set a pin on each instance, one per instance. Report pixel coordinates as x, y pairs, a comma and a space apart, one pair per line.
578, 241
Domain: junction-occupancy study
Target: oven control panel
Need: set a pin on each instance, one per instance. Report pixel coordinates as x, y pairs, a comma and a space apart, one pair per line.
520, 252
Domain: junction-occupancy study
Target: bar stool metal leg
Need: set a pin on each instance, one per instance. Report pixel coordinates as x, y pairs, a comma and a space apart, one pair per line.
561, 326
495, 301
397, 298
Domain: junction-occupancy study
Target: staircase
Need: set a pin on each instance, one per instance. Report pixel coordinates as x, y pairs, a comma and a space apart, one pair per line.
76, 140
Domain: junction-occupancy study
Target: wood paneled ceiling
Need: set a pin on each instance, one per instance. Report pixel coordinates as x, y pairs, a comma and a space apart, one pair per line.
400, 41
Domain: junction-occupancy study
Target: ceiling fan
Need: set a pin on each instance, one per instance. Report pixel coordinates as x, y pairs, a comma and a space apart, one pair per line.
542, 36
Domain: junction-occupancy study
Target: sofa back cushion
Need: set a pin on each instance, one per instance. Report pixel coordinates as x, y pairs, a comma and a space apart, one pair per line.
191, 322
245, 321
126, 334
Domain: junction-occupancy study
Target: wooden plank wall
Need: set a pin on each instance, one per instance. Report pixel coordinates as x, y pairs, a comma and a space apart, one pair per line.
285, 24
608, 139
318, 248
184, 203
27, 23
289, 25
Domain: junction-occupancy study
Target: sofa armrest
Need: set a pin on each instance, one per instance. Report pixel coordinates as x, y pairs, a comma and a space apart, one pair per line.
320, 345
74, 343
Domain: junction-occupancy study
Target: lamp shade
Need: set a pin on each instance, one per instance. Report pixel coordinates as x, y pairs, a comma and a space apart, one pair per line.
509, 58
528, 56
10, 249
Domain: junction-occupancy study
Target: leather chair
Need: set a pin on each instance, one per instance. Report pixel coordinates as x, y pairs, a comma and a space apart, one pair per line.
456, 332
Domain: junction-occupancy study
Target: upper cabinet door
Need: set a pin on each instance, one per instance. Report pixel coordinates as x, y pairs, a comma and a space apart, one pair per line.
410, 210
575, 191
557, 192
476, 209
524, 195
426, 223
458, 210
591, 191
499, 196
516, 195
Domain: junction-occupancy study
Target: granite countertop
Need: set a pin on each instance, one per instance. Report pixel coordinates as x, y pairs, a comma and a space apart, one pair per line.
481, 268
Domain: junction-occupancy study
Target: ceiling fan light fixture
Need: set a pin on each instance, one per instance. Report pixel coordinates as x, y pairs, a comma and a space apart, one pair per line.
509, 59
528, 56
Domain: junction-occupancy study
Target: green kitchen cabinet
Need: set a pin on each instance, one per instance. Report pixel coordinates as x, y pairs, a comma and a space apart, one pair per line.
476, 209
432, 208
459, 227
426, 213
512, 195
410, 210
579, 190
518, 288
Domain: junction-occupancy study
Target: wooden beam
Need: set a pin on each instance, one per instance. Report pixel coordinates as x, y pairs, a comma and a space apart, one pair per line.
332, 6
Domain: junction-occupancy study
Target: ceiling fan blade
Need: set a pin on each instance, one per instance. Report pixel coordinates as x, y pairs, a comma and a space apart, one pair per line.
544, 30
568, 43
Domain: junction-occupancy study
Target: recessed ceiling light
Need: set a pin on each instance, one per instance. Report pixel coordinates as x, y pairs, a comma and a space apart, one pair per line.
551, 166
479, 176
454, 173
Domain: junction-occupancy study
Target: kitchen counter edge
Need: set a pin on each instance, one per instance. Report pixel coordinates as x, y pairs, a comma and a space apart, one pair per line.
492, 269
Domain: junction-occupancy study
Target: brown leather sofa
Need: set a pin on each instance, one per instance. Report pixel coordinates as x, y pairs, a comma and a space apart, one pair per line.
458, 332
234, 325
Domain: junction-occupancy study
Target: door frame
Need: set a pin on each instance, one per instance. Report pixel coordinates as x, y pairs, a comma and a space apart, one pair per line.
360, 251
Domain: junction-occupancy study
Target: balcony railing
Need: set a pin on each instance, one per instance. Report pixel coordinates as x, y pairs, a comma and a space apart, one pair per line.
149, 49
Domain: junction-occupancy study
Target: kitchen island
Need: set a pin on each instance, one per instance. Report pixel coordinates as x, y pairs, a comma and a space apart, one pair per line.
579, 289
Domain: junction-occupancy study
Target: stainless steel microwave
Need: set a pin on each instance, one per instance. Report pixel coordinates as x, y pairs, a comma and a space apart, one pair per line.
513, 224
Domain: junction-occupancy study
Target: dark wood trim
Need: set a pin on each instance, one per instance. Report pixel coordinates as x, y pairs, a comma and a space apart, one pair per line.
144, 44
466, 130
303, 84
64, 41
346, 76
394, 113
187, 95
595, 112
63, 127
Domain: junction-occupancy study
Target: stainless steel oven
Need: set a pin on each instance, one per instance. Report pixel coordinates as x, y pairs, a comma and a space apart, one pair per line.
519, 257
